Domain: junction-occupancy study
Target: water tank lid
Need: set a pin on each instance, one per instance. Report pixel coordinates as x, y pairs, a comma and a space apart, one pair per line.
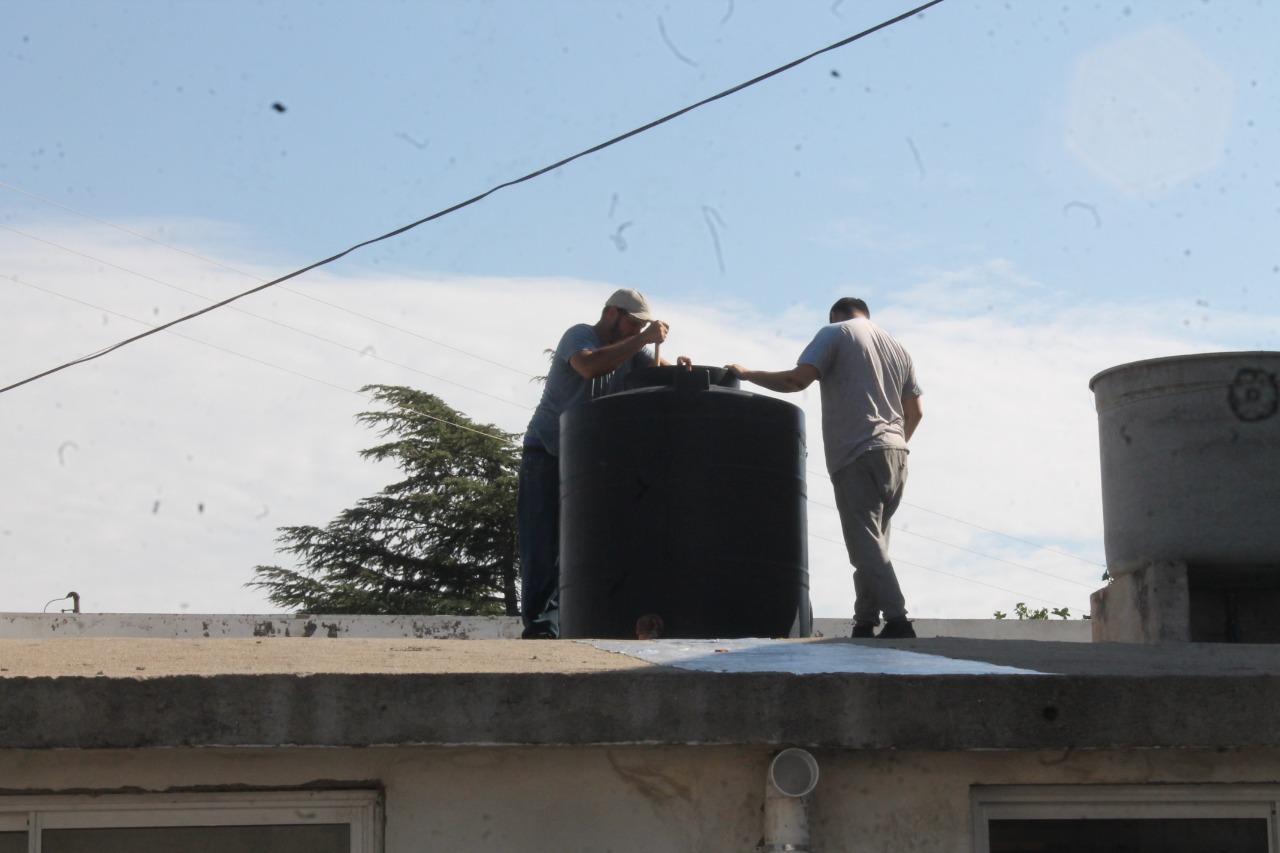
700, 375
1199, 356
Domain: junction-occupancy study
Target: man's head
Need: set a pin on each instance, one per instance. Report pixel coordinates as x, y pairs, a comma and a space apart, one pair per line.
625, 313
847, 309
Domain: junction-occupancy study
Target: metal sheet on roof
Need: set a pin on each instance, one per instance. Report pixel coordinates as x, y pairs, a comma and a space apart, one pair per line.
797, 657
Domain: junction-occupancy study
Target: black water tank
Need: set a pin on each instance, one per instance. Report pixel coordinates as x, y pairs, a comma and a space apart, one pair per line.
683, 498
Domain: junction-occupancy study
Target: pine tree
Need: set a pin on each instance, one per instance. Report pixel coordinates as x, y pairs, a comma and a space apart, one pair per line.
440, 540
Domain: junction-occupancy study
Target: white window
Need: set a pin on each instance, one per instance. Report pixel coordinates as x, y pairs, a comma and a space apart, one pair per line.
13, 833
1129, 818
240, 822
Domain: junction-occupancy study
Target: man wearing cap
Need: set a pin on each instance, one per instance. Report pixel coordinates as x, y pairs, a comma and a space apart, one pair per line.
590, 361
870, 408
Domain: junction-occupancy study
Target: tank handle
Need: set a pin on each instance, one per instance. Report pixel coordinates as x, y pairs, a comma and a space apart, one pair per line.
688, 381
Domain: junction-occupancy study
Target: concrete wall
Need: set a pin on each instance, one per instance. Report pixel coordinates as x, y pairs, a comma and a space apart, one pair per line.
40, 626
1150, 604
1047, 630
43, 626
632, 798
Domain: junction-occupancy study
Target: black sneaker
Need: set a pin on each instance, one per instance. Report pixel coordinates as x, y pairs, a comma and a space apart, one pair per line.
863, 630
897, 629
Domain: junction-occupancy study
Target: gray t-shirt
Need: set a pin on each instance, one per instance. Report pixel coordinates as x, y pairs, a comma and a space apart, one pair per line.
864, 374
566, 388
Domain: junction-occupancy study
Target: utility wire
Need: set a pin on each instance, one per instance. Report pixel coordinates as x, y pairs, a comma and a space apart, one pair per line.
16, 280
240, 272
906, 532
620, 138
430, 375
468, 202
246, 312
1037, 545
394, 327
362, 353
1006, 535
496, 437
264, 363
938, 571
974, 580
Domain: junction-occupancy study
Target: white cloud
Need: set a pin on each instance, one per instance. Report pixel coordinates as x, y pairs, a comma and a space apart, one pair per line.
154, 479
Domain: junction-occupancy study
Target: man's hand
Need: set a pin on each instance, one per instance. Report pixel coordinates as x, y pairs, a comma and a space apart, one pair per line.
655, 332
912, 414
797, 378
684, 361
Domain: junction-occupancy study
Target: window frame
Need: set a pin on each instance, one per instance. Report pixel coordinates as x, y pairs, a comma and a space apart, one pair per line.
1144, 802
17, 822
360, 809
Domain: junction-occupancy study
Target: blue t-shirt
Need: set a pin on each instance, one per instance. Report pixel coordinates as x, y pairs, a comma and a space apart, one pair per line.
566, 388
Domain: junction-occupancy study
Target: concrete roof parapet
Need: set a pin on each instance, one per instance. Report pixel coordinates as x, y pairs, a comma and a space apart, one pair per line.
381, 693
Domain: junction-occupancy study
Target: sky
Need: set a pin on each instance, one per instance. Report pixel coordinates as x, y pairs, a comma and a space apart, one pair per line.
1025, 194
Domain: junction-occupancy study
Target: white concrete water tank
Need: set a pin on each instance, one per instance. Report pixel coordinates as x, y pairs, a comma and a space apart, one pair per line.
1190, 449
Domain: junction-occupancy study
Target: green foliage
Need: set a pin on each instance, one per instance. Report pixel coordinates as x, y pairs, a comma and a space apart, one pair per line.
1023, 612
440, 540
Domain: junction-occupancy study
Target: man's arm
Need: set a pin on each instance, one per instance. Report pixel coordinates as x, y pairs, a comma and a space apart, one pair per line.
591, 363
912, 414
797, 378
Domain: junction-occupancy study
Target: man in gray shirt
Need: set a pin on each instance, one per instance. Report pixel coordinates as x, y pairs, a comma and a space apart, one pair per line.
590, 360
870, 408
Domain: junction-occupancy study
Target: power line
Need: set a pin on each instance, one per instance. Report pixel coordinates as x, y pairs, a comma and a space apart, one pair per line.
496, 437
997, 559
974, 580
162, 327
123, 316
481, 196
1049, 548
407, 367
906, 532
938, 571
253, 359
386, 324
978, 527
362, 353
300, 293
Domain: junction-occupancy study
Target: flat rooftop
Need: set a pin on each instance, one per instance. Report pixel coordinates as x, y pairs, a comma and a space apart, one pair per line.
927, 694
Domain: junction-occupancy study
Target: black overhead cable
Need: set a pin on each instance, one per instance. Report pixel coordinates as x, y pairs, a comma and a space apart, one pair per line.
410, 368
993, 531
948, 574
214, 262
460, 205
1008, 536
254, 359
363, 353
305, 295
501, 399
934, 539
504, 439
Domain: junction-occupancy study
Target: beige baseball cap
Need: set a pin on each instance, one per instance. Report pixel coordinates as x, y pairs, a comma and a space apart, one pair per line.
631, 301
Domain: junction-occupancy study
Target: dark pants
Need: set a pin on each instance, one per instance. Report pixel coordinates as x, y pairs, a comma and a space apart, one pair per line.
868, 491
538, 531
